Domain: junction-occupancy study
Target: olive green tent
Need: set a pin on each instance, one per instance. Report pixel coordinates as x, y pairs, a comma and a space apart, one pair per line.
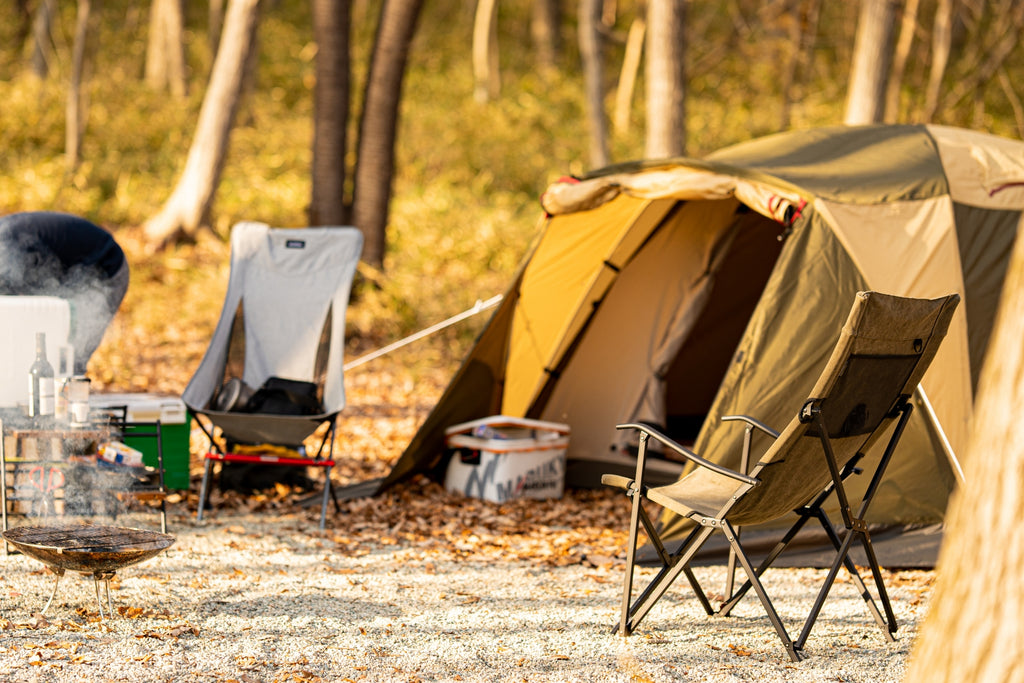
678, 291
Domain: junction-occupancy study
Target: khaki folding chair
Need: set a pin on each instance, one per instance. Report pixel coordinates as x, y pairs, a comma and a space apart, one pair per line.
884, 349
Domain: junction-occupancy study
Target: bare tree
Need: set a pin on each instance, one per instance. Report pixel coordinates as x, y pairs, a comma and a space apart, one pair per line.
190, 202
871, 61
331, 25
942, 38
802, 24
629, 72
592, 56
908, 26
216, 25
77, 105
545, 20
1011, 96
666, 78
379, 123
486, 73
995, 29
972, 631
165, 48
42, 38
24, 29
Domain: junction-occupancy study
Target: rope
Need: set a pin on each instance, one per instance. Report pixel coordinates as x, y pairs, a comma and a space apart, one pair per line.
478, 307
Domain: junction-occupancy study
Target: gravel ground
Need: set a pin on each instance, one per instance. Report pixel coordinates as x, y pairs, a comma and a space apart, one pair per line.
268, 598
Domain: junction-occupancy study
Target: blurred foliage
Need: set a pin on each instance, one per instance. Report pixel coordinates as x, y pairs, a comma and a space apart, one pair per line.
469, 174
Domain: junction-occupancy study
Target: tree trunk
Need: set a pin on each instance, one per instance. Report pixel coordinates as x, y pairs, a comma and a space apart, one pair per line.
165, 49
77, 105
486, 71
42, 39
972, 633
871, 60
803, 24
190, 203
998, 40
908, 26
331, 31
942, 37
24, 10
666, 78
379, 123
591, 54
216, 21
545, 24
1015, 103
628, 74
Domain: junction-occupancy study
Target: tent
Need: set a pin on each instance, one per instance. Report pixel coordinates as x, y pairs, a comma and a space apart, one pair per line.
678, 291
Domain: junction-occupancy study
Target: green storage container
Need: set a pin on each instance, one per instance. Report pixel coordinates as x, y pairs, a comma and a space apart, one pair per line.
175, 425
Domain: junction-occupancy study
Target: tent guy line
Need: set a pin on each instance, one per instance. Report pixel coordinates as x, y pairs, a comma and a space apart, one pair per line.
478, 307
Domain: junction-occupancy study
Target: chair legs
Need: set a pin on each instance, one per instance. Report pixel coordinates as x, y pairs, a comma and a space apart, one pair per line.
674, 564
204, 488
328, 493
887, 623
795, 650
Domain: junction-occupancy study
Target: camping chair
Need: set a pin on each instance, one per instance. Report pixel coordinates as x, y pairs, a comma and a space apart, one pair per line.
883, 351
280, 337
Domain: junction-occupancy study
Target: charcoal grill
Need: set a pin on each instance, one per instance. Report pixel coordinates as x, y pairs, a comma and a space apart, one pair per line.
89, 549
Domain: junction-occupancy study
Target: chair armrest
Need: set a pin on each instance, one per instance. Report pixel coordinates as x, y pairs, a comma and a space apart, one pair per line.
688, 454
618, 481
753, 423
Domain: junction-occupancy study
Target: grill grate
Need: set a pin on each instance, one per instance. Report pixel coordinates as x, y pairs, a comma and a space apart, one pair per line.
87, 549
88, 538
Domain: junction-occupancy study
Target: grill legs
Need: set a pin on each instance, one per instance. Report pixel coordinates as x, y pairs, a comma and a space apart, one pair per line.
53, 593
97, 578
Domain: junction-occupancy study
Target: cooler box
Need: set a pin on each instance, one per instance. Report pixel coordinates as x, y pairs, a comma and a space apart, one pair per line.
500, 458
175, 425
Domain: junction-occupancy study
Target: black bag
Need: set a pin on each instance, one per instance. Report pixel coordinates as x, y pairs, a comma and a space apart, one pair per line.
280, 396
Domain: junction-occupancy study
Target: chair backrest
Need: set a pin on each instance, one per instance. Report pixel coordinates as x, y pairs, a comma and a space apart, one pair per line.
284, 312
882, 353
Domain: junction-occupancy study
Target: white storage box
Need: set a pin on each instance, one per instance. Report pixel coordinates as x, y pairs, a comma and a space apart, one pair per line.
500, 458
20, 318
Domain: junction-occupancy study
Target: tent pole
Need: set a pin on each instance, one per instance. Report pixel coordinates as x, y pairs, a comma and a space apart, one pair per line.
469, 312
958, 471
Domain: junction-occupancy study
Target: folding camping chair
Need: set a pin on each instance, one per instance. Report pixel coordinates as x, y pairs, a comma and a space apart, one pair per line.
884, 349
282, 330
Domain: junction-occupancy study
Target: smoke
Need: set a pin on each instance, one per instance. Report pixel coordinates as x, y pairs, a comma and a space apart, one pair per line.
29, 269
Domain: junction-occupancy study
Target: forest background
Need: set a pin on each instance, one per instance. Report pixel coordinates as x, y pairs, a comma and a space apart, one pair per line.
470, 159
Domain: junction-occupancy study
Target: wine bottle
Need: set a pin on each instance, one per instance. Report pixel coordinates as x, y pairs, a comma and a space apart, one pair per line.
41, 399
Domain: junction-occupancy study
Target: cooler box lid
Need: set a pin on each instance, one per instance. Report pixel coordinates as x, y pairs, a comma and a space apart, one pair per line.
144, 407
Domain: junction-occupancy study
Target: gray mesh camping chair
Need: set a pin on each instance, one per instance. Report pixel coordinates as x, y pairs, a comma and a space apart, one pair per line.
883, 351
272, 374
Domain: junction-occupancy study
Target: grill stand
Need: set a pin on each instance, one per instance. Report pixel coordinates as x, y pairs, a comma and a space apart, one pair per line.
97, 578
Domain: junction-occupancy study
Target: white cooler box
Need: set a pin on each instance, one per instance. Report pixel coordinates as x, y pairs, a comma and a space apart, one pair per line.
500, 458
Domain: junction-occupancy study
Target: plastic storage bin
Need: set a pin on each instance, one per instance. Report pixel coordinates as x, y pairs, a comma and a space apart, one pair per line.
499, 458
175, 424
